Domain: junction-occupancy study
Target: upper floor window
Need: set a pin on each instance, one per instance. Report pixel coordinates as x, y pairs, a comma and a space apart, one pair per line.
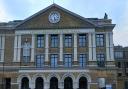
82, 40
67, 60
82, 60
54, 41
0, 54
99, 40
68, 40
26, 51
40, 41
39, 60
54, 59
100, 60
118, 54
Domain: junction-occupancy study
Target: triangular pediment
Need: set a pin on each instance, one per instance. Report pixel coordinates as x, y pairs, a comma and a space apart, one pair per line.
68, 19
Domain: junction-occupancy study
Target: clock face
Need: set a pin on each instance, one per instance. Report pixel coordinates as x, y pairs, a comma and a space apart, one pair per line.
54, 17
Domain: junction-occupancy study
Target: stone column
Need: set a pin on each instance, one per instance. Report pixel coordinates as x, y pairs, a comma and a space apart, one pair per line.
90, 46
75, 47
15, 48
19, 48
107, 46
94, 46
75, 85
46, 47
33, 48
61, 85
46, 85
61, 47
111, 47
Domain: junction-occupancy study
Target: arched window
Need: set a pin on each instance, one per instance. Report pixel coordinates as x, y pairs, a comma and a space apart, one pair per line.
25, 83
68, 83
39, 83
53, 83
83, 83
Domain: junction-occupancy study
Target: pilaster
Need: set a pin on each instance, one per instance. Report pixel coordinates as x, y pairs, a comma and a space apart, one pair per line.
75, 46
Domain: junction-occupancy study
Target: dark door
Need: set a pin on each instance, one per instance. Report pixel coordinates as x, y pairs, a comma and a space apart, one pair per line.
53, 83
25, 83
68, 84
39, 83
82, 83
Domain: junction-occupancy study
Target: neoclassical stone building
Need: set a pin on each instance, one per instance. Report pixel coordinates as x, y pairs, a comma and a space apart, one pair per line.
56, 48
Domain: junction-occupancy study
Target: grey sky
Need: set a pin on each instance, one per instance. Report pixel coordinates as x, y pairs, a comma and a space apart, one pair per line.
116, 9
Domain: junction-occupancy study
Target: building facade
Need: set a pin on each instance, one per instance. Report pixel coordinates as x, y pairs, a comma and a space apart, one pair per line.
56, 48
121, 58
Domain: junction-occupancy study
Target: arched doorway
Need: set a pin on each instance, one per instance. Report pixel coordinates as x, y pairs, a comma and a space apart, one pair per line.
68, 83
53, 83
25, 83
83, 83
39, 83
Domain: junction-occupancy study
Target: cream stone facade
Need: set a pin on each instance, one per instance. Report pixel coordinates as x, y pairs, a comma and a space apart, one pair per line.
71, 53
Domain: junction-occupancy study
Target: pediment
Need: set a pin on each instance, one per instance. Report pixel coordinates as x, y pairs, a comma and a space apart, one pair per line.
68, 19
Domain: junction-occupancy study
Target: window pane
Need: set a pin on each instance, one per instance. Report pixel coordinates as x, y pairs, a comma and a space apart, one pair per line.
40, 41
100, 60
82, 60
99, 40
39, 61
67, 60
82, 40
54, 41
54, 59
68, 40
118, 55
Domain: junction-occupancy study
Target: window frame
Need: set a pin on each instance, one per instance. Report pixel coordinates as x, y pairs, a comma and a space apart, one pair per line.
41, 59
40, 41
54, 60
54, 40
100, 40
100, 60
82, 40
68, 40
68, 60
82, 60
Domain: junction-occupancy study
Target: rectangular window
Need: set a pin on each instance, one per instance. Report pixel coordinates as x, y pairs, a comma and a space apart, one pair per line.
118, 55
119, 64
54, 41
40, 61
67, 60
82, 40
68, 40
99, 40
100, 60
0, 54
82, 60
54, 59
40, 41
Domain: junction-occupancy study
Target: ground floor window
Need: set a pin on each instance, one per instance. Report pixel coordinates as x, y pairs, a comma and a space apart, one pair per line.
8, 83
126, 85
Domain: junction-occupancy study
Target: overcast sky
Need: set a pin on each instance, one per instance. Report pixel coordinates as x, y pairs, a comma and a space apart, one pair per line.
117, 10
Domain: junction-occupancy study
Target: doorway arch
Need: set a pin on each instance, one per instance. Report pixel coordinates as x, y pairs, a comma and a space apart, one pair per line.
68, 83
83, 84
39, 84
53, 83
25, 83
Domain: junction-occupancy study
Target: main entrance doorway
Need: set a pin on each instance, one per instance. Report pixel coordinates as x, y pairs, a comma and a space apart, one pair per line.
39, 83
25, 83
53, 83
83, 83
68, 83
